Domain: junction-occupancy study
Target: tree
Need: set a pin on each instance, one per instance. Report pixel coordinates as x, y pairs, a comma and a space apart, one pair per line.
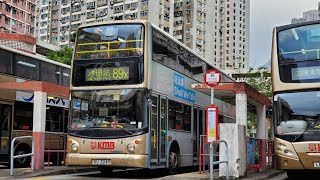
63, 55
261, 81
73, 37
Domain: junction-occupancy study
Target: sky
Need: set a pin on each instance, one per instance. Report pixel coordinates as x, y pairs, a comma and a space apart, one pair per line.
267, 14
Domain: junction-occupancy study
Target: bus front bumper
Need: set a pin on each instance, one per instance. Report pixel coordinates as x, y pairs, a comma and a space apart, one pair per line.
113, 160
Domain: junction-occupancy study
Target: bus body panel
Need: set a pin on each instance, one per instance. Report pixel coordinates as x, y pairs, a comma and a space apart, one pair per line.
111, 149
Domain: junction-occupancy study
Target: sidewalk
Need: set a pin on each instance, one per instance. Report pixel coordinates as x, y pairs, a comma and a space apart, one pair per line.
205, 176
48, 171
57, 170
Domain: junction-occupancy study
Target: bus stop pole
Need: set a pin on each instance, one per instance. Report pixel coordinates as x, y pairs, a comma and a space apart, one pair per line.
211, 144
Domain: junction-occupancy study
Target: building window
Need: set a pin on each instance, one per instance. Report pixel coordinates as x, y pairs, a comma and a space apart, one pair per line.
6, 61
26, 67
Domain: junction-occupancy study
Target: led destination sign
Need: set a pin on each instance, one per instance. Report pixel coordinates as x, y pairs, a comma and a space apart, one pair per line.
107, 74
304, 73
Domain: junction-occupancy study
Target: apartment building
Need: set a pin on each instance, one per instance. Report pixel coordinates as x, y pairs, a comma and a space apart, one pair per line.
18, 16
184, 19
311, 15
231, 35
216, 29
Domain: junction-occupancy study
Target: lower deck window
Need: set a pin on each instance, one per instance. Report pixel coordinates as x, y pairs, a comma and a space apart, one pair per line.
179, 116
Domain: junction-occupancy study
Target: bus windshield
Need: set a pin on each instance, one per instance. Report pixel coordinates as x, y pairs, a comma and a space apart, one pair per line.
296, 114
300, 43
109, 109
110, 41
299, 54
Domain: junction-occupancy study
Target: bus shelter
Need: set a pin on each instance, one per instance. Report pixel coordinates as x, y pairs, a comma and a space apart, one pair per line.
244, 98
41, 91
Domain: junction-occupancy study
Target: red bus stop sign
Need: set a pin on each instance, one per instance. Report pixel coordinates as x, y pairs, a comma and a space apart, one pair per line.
212, 78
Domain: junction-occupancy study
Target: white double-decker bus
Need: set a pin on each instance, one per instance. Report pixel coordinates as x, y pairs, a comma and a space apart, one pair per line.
132, 105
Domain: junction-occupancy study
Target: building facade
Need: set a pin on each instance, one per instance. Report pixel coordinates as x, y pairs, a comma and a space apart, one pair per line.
186, 20
216, 29
18, 16
312, 15
231, 35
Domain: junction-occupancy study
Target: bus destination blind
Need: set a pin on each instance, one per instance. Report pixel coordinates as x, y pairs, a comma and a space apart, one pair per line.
107, 74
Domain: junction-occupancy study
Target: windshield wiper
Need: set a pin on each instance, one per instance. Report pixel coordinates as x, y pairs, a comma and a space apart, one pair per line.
307, 128
123, 129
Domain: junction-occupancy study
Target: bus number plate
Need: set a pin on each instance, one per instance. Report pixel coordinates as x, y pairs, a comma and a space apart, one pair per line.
316, 164
101, 161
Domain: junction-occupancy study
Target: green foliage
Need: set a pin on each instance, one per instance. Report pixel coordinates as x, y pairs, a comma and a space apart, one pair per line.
73, 37
251, 122
63, 55
261, 82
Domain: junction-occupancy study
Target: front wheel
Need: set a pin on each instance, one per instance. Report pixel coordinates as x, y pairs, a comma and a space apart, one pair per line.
294, 174
174, 159
24, 161
105, 170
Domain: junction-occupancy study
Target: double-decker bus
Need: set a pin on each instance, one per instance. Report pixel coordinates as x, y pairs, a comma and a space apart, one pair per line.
132, 105
296, 96
16, 106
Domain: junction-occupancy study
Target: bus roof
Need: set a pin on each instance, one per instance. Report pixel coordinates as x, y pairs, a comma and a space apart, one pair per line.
34, 56
193, 52
289, 26
164, 33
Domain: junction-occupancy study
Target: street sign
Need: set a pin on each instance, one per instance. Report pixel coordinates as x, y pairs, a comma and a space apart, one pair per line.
212, 78
212, 123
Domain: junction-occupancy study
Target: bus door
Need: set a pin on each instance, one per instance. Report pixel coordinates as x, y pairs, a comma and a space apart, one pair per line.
197, 130
158, 126
5, 124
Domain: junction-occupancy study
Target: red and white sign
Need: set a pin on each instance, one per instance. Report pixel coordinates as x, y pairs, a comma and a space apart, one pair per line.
102, 145
212, 78
212, 123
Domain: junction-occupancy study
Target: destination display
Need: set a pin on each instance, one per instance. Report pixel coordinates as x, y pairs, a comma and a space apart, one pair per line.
305, 73
107, 74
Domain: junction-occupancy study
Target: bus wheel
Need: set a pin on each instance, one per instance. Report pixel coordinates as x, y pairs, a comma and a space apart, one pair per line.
105, 170
174, 160
294, 174
25, 161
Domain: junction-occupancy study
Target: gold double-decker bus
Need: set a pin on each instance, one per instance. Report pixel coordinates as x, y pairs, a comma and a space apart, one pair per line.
296, 97
132, 105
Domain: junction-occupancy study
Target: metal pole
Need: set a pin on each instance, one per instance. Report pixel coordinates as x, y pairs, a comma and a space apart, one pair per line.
211, 160
212, 95
211, 144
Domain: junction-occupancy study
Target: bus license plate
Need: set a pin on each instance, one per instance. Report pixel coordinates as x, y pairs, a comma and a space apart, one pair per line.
101, 161
316, 164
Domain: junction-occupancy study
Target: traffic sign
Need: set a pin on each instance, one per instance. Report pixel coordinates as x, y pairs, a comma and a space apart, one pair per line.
212, 123
212, 78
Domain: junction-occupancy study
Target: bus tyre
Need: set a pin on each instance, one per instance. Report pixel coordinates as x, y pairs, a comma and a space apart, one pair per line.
24, 161
293, 174
174, 161
105, 170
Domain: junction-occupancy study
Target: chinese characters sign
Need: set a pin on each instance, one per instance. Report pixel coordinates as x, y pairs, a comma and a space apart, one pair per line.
180, 91
304, 73
107, 74
212, 123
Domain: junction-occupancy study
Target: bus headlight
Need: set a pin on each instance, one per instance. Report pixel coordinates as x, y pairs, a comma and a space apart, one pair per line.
131, 147
74, 146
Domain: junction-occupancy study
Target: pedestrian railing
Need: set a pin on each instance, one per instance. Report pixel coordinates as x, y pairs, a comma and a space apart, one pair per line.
56, 148
212, 162
12, 157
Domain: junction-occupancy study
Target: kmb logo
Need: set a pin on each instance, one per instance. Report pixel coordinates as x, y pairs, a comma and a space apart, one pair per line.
102, 145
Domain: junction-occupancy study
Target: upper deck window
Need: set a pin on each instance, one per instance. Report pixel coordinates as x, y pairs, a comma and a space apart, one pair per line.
299, 54
110, 41
299, 44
